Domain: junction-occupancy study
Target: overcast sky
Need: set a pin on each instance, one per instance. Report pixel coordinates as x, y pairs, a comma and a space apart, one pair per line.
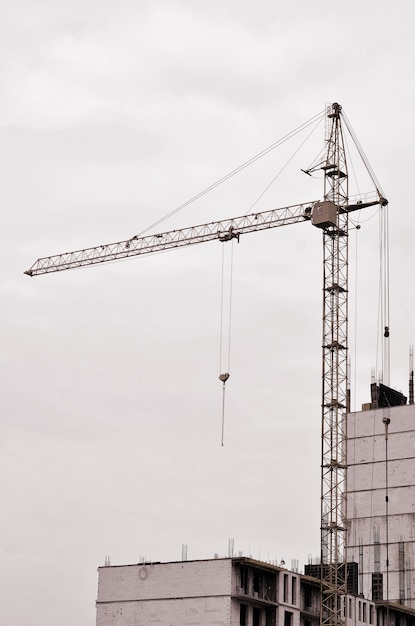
112, 115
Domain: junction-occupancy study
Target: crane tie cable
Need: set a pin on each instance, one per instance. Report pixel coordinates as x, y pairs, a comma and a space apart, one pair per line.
238, 169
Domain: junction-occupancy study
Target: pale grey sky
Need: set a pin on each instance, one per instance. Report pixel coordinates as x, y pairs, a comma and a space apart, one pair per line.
111, 115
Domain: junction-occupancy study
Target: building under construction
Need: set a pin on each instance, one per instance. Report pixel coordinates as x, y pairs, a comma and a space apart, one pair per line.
239, 591
233, 591
381, 498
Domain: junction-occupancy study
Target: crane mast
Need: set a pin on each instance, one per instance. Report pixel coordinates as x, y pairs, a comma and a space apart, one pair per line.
332, 216
334, 378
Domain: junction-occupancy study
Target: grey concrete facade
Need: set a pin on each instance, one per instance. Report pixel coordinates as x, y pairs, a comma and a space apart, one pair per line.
381, 502
218, 592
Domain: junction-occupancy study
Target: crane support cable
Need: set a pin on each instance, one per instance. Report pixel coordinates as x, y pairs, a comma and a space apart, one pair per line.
278, 174
363, 156
383, 331
318, 117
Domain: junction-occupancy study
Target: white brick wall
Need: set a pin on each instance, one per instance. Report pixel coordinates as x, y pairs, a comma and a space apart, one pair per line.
189, 593
181, 612
366, 481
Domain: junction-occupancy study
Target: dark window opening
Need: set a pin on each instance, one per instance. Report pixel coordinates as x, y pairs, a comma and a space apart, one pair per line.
270, 587
377, 586
285, 597
307, 597
270, 616
257, 584
293, 590
264, 585
243, 612
256, 617
244, 579
288, 618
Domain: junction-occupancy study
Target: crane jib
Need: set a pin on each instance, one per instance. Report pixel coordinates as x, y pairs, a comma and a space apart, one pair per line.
223, 230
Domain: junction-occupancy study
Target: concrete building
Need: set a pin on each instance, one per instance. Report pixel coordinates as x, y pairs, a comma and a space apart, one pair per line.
218, 591
233, 591
381, 501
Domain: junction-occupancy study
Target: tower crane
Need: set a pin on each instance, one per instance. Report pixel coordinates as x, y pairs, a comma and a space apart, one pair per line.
331, 215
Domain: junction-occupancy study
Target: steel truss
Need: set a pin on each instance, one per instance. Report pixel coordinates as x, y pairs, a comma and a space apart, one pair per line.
334, 380
223, 230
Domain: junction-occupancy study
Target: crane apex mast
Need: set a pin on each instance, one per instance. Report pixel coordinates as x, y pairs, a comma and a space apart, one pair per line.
331, 216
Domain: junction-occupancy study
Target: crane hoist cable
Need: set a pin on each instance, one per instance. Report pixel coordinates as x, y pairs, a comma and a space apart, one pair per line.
381, 372
223, 377
356, 282
225, 340
383, 334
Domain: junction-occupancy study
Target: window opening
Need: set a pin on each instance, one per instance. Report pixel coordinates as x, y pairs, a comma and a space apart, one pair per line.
256, 617
307, 597
377, 586
294, 590
244, 579
285, 596
270, 587
243, 612
288, 618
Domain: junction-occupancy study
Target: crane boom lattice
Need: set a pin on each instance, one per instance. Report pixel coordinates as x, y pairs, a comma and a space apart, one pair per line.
223, 230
